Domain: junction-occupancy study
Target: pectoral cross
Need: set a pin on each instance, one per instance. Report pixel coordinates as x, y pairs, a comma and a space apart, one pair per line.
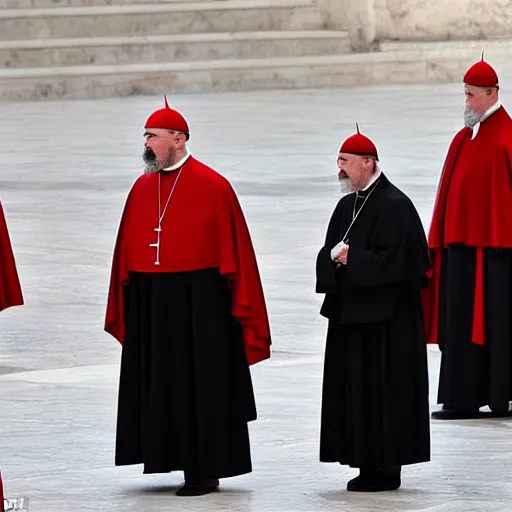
156, 245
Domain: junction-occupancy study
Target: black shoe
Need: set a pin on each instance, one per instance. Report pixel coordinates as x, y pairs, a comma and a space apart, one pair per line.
498, 412
196, 486
359, 482
376, 480
454, 413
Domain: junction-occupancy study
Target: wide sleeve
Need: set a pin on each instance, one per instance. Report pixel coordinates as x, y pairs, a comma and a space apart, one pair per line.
238, 263
10, 288
398, 250
116, 306
325, 267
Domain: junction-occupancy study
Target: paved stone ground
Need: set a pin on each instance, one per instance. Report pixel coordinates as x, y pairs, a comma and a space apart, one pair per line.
66, 168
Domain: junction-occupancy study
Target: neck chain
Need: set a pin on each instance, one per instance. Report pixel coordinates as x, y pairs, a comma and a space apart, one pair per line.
354, 214
161, 214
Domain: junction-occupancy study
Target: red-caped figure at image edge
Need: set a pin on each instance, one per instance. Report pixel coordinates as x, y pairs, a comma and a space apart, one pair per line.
10, 288
467, 305
187, 304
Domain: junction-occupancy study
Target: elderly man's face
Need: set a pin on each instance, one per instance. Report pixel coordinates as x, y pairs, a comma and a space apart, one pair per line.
160, 148
478, 101
354, 171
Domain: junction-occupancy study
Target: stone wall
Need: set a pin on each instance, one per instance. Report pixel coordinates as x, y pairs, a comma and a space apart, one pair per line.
442, 19
417, 20
355, 16
335, 13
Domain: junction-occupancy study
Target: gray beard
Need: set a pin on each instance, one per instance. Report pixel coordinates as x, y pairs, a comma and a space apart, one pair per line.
151, 163
346, 186
152, 166
471, 117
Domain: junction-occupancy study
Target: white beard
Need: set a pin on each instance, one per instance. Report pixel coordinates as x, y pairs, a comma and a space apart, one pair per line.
471, 117
346, 186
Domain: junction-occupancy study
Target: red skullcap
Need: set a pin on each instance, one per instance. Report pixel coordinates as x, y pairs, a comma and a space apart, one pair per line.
168, 119
481, 74
358, 144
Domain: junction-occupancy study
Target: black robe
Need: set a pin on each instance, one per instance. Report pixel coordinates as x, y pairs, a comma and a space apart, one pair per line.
475, 375
375, 410
185, 393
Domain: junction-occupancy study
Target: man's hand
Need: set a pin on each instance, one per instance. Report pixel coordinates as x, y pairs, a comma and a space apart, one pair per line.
343, 256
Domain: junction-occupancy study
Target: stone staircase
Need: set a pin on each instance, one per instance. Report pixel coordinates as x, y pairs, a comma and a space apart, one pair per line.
98, 48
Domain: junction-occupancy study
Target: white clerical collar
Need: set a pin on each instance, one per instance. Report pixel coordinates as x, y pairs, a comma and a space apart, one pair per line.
177, 165
489, 112
373, 179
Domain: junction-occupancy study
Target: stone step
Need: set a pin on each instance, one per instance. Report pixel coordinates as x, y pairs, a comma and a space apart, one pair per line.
163, 18
496, 46
435, 64
165, 48
38, 4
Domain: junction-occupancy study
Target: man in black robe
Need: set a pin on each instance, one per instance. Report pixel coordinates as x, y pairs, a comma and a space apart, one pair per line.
375, 411
187, 304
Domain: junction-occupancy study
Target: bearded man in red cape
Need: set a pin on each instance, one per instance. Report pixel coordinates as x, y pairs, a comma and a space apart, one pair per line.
468, 305
186, 302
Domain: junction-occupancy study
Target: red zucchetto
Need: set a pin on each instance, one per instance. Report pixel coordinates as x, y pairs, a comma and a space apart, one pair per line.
358, 144
481, 74
168, 119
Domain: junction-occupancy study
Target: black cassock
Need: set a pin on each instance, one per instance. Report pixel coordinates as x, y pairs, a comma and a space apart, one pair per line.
375, 410
473, 375
184, 404
190, 327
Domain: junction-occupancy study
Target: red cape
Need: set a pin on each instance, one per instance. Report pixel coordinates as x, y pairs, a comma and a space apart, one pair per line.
10, 288
477, 179
1, 494
204, 227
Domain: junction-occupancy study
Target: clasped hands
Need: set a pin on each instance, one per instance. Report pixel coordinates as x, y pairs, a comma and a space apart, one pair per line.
339, 253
